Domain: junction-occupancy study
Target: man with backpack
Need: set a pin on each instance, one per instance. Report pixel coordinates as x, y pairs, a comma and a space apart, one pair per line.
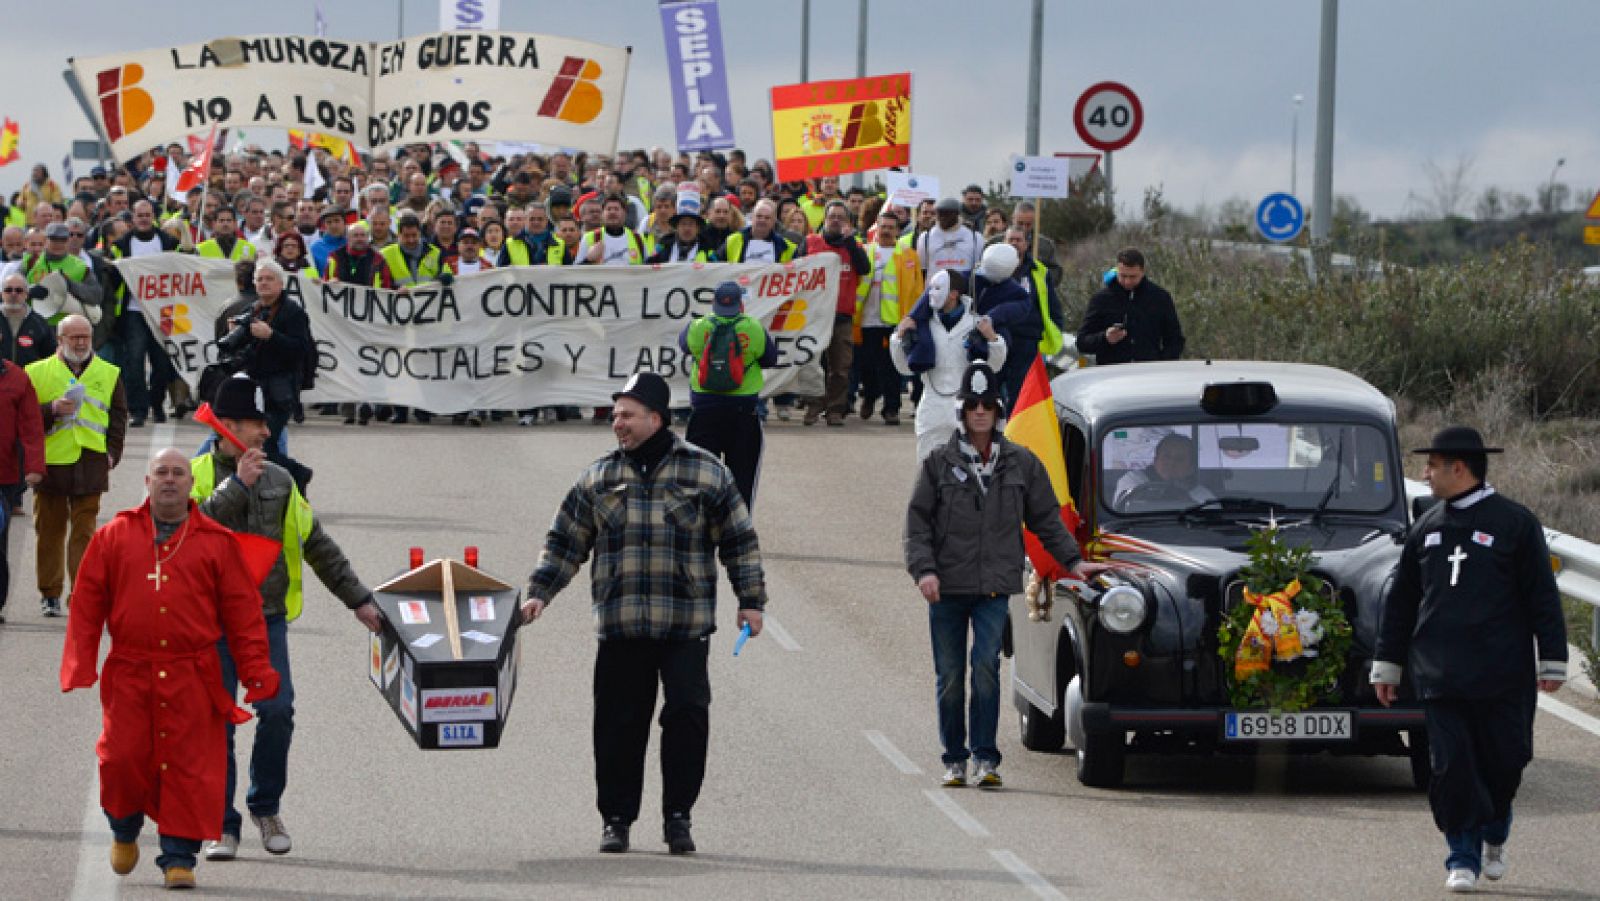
730, 349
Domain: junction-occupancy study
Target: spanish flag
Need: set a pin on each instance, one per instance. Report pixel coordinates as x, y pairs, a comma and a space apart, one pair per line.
1033, 425
9, 134
338, 148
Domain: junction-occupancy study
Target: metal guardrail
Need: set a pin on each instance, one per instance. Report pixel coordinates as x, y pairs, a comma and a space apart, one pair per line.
1577, 563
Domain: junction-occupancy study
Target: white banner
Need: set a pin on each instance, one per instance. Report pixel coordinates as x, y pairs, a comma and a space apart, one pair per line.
464, 85
469, 15
510, 339
1040, 176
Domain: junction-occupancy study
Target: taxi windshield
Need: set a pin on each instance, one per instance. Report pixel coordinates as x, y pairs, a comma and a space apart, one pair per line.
1288, 467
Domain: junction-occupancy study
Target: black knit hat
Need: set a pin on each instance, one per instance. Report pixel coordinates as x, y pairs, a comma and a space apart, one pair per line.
1457, 441
651, 390
238, 397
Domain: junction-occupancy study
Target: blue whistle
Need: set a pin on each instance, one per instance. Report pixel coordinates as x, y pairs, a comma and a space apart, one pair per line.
744, 636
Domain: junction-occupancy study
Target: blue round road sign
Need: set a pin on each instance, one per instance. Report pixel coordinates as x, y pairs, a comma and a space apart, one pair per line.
1280, 217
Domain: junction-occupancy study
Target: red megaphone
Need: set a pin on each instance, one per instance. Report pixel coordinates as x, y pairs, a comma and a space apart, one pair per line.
204, 416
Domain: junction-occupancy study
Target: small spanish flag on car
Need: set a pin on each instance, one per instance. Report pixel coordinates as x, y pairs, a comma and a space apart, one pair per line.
8, 142
1033, 425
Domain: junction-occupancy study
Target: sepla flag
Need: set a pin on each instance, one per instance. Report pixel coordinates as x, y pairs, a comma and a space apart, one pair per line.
699, 75
831, 127
1033, 424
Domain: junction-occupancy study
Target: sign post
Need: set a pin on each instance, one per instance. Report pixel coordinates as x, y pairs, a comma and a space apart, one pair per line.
1040, 177
1108, 117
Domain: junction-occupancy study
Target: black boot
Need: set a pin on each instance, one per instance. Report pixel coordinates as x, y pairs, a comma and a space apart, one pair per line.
675, 832
614, 837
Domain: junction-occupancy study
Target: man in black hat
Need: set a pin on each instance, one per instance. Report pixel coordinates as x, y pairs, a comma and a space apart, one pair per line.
730, 351
963, 546
246, 492
655, 512
1472, 594
683, 245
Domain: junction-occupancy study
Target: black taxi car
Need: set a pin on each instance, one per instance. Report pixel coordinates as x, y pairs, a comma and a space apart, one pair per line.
1130, 664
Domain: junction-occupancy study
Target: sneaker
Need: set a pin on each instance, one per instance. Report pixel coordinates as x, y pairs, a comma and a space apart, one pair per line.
124, 857
1461, 881
1494, 861
955, 775
49, 606
225, 848
273, 836
179, 877
675, 832
988, 775
614, 837
782, 410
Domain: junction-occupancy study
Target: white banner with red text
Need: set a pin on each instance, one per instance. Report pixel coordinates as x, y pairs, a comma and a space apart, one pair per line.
509, 339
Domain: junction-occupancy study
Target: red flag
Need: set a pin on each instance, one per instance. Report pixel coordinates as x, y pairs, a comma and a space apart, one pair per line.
1033, 425
199, 168
258, 553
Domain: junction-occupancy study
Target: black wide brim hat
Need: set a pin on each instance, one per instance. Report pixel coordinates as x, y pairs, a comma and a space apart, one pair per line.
678, 217
1456, 441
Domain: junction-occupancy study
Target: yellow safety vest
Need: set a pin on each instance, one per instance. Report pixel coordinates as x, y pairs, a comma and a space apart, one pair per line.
400, 270
735, 246
636, 252
1050, 342
888, 287
297, 522
521, 252
242, 250
66, 440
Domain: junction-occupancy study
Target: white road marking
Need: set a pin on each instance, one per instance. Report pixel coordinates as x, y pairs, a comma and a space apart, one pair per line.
1026, 875
93, 880
887, 749
162, 436
963, 820
1571, 714
779, 634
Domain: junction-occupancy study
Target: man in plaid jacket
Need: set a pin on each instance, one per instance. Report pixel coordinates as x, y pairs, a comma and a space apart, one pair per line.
654, 512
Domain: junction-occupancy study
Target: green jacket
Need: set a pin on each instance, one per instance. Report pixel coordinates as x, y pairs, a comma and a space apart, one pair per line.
263, 510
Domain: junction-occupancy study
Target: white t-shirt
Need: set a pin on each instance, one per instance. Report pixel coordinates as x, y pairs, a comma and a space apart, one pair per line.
758, 251
618, 250
958, 249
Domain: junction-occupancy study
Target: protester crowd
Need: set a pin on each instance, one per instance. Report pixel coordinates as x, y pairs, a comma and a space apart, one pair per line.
432, 212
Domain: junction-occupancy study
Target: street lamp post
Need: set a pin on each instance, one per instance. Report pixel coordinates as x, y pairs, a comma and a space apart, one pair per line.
1550, 186
1294, 146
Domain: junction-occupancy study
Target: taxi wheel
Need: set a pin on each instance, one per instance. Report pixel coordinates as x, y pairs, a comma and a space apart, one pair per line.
1100, 759
1041, 732
1421, 763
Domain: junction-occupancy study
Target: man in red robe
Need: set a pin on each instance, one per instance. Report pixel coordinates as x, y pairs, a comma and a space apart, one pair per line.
167, 582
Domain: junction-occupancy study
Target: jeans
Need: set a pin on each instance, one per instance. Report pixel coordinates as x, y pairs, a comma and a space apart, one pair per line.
948, 624
269, 758
1466, 846
879, 378
134, 345
626, 672
175, 852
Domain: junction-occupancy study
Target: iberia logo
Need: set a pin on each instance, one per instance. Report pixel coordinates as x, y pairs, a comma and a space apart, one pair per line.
791, 316
458, 701
574, 97
175, 319
125, 108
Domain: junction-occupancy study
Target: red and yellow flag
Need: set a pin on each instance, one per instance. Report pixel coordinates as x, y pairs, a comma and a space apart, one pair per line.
8, 142
338, 148
1033, 425
831, 127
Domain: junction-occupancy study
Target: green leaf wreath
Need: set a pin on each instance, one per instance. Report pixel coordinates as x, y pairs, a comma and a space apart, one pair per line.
1286, 685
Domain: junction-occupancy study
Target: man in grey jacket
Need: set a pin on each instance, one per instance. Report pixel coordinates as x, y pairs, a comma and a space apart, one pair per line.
963, 546
247, 493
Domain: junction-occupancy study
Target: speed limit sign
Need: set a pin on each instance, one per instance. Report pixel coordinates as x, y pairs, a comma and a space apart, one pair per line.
1108, 116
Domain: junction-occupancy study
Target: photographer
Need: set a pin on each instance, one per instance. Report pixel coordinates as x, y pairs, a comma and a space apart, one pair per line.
279, 339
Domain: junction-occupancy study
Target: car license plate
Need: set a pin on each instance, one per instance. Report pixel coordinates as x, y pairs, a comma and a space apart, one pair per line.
1314, 725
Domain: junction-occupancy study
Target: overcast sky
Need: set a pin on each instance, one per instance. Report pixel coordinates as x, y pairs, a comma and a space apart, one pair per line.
1510, 85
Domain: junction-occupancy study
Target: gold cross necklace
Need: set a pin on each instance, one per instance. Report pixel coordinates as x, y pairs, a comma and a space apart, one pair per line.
157, 577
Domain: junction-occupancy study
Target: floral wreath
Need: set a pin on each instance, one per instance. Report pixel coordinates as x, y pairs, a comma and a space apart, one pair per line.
1283, 648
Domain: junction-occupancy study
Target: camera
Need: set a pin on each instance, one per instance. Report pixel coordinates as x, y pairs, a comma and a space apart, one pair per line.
237, 341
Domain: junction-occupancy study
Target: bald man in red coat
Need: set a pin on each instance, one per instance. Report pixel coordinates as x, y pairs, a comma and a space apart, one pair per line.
168, 582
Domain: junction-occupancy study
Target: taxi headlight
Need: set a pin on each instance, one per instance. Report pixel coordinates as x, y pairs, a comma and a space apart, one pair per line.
1123, 609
